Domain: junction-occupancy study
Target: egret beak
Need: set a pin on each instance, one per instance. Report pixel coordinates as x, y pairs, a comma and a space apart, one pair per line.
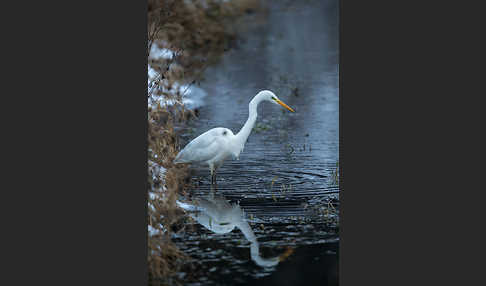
284, 105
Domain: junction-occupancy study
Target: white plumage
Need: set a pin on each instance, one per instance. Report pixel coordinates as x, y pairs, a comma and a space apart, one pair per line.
216, 145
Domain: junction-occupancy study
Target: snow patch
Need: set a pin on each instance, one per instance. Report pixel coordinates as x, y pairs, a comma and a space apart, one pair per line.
158, 53
154, 231
192, 96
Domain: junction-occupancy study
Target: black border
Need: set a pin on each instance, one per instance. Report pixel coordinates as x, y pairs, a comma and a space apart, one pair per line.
406, 72
76, 162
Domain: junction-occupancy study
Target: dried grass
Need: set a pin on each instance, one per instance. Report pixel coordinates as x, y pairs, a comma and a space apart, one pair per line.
198, 32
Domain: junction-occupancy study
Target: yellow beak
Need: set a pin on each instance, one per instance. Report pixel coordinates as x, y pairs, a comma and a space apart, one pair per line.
284, 105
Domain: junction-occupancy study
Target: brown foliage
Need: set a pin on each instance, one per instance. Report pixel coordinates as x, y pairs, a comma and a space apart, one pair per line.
198, 32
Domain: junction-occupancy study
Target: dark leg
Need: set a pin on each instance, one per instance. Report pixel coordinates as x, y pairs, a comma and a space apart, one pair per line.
213, 180
214, 185
212, 174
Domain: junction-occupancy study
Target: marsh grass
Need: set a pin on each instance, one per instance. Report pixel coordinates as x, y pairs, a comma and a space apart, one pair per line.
330, 213
335, 175
196, 33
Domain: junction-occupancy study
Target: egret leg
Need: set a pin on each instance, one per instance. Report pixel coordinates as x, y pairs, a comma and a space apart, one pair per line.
213, 178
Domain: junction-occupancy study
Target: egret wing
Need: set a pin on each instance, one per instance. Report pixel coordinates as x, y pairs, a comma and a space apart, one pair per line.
205, 147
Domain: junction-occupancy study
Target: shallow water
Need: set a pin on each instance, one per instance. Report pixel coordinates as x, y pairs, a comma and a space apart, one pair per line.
284, 180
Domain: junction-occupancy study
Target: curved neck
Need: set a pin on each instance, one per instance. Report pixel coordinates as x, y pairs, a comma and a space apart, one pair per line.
245, 131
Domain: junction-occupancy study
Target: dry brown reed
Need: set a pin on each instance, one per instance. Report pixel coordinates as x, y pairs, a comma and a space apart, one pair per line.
198, 32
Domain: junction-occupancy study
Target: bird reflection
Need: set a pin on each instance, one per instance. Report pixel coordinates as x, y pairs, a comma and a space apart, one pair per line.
219, 216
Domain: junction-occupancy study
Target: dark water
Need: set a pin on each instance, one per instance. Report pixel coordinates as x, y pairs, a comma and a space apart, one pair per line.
284, 181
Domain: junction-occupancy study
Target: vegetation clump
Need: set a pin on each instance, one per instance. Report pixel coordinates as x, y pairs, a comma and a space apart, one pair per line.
184, 37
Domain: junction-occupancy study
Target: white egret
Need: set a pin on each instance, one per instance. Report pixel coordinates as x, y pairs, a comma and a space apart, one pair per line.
217, 144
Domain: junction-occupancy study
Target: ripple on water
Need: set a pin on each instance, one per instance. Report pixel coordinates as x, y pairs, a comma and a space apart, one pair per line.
283, 181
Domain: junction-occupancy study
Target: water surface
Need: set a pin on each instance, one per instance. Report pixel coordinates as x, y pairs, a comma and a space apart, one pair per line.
284, 181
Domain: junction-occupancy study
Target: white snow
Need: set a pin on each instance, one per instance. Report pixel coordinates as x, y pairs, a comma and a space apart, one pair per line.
157, 173
154, 231
160, 53
191, 95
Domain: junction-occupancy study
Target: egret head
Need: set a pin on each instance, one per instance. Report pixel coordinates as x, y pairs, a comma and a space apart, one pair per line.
270, 96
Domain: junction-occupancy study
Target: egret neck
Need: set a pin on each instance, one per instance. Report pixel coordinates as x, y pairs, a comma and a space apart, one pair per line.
245, 131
